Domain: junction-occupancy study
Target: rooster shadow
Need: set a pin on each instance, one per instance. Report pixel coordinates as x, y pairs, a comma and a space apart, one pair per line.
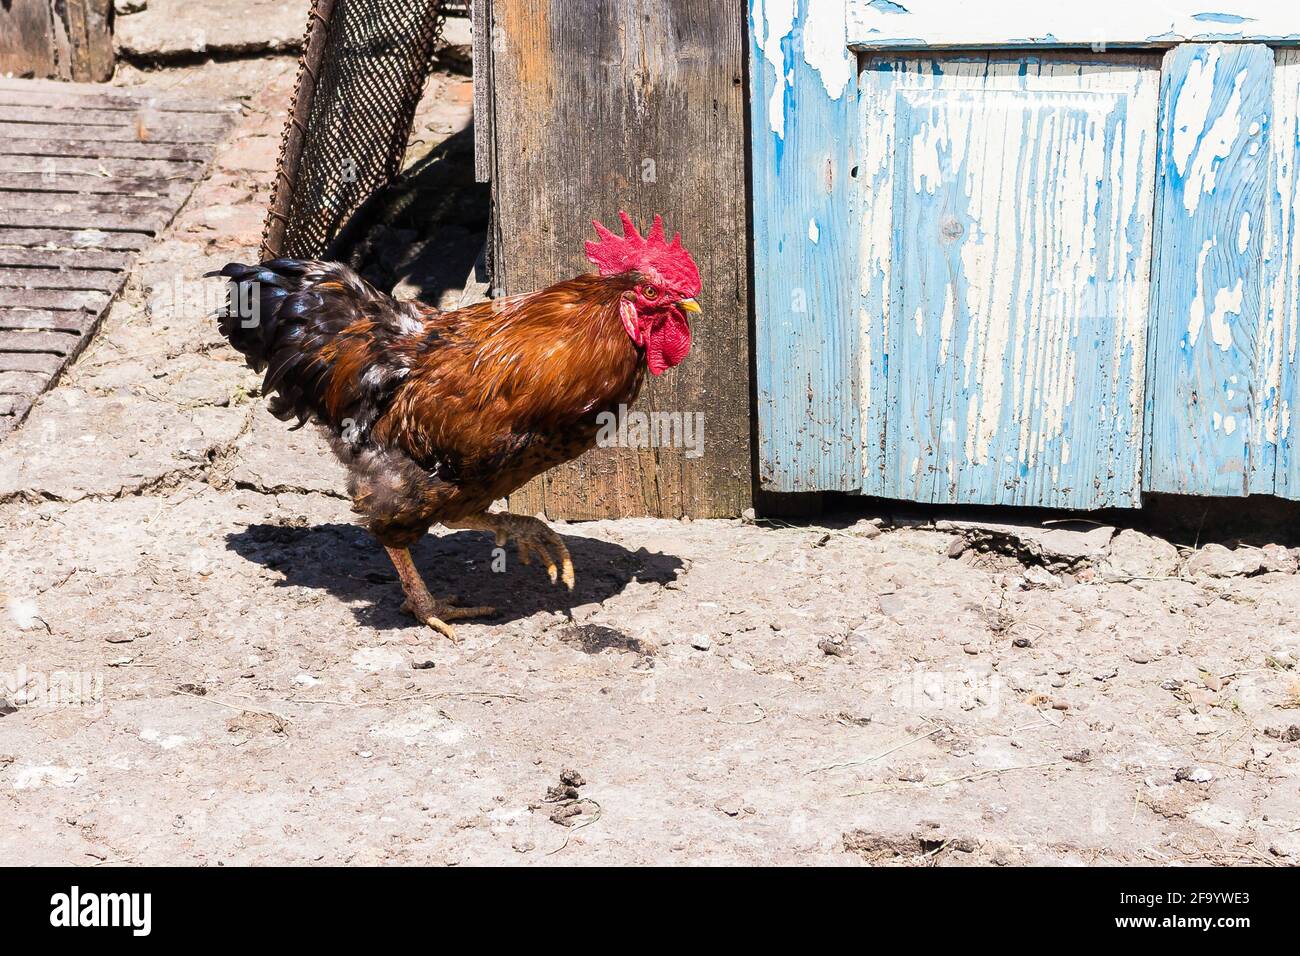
346, 561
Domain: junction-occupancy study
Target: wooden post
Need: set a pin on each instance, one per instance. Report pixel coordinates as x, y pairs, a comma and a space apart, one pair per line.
67, 40
636, 105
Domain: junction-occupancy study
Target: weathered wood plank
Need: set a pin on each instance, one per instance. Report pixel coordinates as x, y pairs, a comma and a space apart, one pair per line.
11, 257
1275, 429
23, 92
24, 384
162, 171
47, 182
41, 362
1012, 284
45, 320
71, 239
149, 119
1207, 300
651, 82
147, 208
83, 38
56, 343
12, 406
86, 280
805, 248
17, 146
51, 299
84, 218
26, 46
917, 24
138, 132
484, 149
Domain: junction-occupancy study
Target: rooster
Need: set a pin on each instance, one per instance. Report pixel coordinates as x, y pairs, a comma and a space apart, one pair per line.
436, 415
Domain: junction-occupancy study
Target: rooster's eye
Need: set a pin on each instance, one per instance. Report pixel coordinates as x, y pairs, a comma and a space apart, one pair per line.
650, 292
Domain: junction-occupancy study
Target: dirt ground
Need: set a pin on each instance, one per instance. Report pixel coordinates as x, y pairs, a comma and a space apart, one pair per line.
203, 659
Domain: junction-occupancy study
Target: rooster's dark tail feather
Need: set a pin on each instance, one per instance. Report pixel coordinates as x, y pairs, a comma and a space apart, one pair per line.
328, 341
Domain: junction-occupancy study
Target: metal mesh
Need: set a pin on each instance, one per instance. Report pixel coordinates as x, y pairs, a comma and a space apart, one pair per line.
363, 68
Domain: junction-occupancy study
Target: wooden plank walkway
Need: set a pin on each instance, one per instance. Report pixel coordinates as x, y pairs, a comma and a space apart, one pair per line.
88, 177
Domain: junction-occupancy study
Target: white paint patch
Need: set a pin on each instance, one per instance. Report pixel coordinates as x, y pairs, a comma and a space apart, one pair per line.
1243, 234
1197, 314
33, 778
826, 44
1230, 424
813, 232
927, 161
947, 321
773, 22
1214, 147
1225, 303
1193, 108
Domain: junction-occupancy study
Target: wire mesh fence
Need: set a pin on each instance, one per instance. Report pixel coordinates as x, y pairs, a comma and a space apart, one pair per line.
363, 68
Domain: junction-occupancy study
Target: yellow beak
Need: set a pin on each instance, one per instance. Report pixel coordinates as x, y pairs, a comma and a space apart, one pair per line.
690, 305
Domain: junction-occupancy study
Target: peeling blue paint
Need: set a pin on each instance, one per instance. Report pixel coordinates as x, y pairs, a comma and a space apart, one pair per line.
1222, 18
1206, 299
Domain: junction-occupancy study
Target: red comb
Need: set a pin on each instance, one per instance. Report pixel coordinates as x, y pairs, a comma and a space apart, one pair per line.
665, 262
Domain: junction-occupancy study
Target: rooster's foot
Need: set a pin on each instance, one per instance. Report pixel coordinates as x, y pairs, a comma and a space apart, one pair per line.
424, 606
532, 537
436, 612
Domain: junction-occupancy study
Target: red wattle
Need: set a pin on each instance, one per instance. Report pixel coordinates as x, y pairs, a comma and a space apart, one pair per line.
668, 342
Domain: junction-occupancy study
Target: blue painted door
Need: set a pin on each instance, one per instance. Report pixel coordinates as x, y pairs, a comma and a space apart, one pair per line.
1034, 277
1010, 290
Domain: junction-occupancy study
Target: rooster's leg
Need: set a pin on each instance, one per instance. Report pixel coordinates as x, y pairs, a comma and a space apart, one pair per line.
531, 536
423, 605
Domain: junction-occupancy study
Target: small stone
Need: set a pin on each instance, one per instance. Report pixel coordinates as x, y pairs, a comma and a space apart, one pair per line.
1193, 774
563, 814
1216, 561
958, 547
1278, 559
571, 778
1080, 756
1133, 554
1040, 577
748, 516
892, 605
835, 646
120, 638
1022, 642
1288, 735
731, 806
7, 708
1059, 704
701, 642
423, 665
